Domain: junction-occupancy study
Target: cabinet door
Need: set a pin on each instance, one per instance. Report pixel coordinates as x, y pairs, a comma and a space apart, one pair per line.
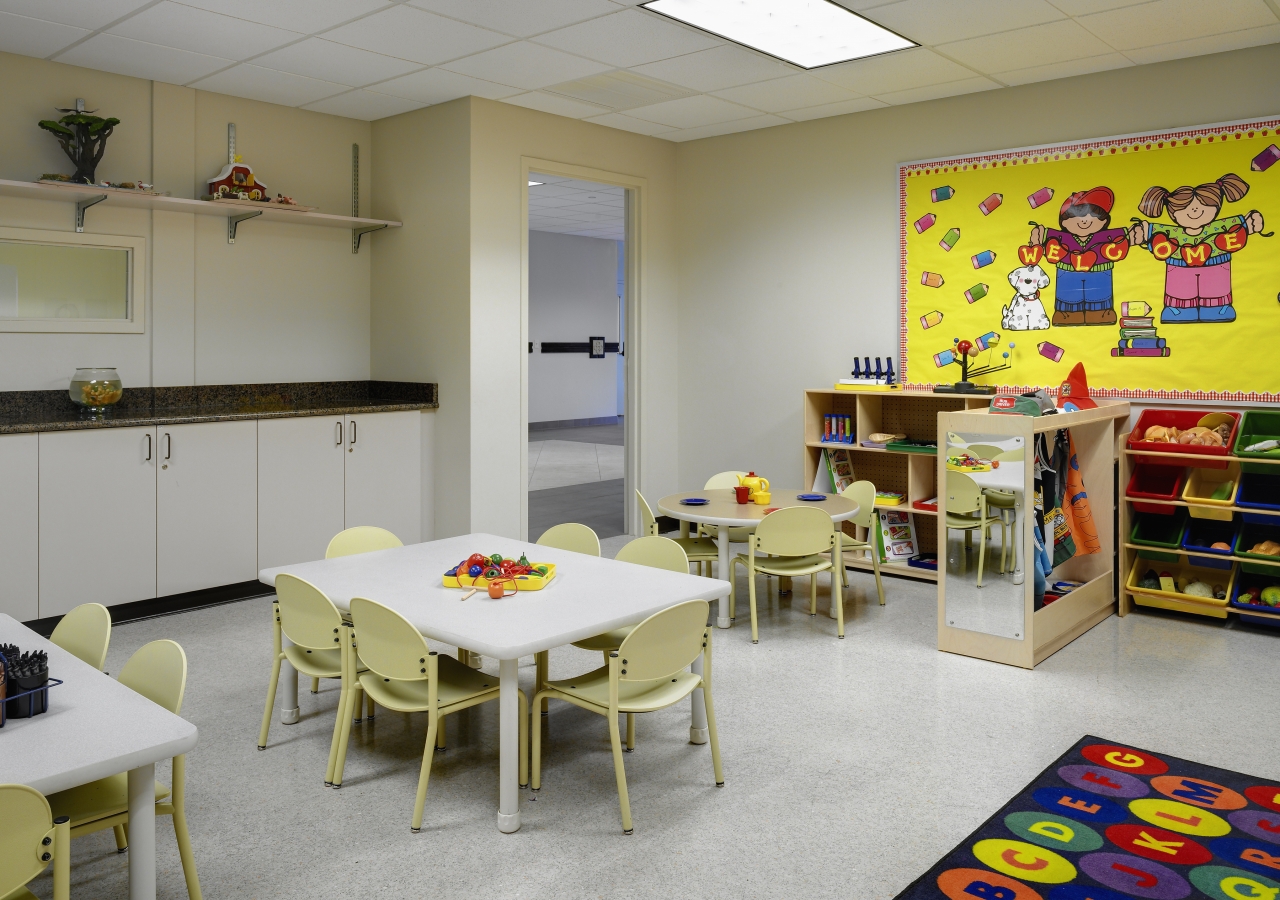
206, 506
384, 472
300, 488
97, 517
19, 526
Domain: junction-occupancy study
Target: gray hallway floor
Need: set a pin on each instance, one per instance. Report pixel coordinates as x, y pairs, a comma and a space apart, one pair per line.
576, 475
851, 766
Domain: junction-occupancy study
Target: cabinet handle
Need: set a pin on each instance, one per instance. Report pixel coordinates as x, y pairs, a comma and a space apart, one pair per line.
337, 434
353, 432
148, 448
168, 444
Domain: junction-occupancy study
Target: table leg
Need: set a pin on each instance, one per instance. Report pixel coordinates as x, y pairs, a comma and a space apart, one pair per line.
289, 712
509, 746
725, 574
142, 832
698, 709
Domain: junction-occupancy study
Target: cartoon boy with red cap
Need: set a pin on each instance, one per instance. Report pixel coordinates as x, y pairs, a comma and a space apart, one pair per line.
1085, 250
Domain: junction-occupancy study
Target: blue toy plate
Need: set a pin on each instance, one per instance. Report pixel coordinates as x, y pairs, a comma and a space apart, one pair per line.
814, 497
694, 501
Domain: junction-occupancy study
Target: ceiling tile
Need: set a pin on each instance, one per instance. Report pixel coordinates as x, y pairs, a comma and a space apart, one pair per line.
311, 16
1064, 69
629, 123
704, 131
1165, 21
410, 33
526, 65
690, 112
92, 15
1034, 46
33, 37
364, 105
1218, 43
619, 89
930, 22
844, 107
1086, 7
556, 105
174, 25
317, 58
519, 17
936, 91
629, 38
268, 85
718, 68
439, 85
792, 92
112, 53
894, 72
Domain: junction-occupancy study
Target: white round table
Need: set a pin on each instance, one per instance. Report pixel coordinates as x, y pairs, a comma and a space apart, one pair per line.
725, 511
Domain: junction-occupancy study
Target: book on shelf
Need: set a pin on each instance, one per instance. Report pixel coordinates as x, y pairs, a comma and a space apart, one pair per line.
897, 535
840, 468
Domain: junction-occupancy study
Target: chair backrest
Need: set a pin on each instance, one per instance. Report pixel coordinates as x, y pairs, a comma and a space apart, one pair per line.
361, 539
307, 616
1018, 454
655, 552
963, 493
85, 633
27, 822
984, 451
158, 671
389, 644
647, 518
664, 643
794, 531
862, 493
722, 480
572, 537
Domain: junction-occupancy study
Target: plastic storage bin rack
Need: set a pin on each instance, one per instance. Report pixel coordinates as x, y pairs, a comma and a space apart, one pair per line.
1160, 531
1181, 419
1243, 583
25, 704
1252, 534
1256, 426
1212, 492
1201, 534
1261, 492
1177, 600
1155, 483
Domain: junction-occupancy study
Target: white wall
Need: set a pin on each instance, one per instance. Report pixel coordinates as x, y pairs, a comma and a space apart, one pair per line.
573, 283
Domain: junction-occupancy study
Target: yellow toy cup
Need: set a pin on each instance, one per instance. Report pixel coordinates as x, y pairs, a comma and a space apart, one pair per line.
762, 498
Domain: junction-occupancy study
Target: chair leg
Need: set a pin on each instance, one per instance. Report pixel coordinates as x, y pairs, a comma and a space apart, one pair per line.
271, 702
315, 685
543, 667
620, 773
875, 567
733, 586
712, 735
180, 830
837, 597
523, 732
440, 736
122, 839
352, 699
751, 593
536, 775
339, 724
424, 775
982, 550
631, 732
813, 594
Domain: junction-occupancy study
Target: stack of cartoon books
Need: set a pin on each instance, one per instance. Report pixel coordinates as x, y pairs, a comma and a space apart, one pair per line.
1138, 332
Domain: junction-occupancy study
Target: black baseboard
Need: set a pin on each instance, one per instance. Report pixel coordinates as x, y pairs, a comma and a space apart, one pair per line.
168, 606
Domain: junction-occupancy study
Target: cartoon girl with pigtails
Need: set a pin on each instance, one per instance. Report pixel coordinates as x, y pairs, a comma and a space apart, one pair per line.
1197, 248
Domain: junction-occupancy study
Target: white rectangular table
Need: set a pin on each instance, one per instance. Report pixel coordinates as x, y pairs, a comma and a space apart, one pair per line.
588, 596
94, 727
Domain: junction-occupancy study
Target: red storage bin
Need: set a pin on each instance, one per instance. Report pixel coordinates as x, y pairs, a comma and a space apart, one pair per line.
1155, 483
1181, 419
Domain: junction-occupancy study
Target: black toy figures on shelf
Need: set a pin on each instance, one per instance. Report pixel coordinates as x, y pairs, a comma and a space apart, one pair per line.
864, 373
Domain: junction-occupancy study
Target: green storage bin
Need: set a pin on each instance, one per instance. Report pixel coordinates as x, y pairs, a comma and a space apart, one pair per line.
1250, 535
1159, 531
1258, 425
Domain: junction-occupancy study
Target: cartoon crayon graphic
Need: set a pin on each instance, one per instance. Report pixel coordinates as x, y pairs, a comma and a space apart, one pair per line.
945, 358
925, 222
977, 292
987, 341
1050, 351
1135, 308
1266, 159
931, 279
989, 205
949, 239
985, 258
946, 192
1040, 197
928, 320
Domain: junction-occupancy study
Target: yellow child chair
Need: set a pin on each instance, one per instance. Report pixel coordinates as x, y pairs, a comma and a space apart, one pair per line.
697, 549
1004, 503
33, 838
645, 674
721, 481
313, 624
157, 671
964, 498
85, 633
361, 539
863, 493
793, 539
572, 537
405, 675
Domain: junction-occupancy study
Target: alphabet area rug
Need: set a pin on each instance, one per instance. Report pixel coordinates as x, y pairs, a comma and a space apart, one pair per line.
1110, 822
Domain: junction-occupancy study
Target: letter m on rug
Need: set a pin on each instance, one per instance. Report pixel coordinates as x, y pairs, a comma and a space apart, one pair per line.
1199, 794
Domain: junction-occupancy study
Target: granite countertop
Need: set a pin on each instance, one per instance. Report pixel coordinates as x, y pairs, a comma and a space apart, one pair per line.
35, 411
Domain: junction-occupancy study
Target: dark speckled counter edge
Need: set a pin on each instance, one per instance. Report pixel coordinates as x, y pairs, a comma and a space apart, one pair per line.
37, 411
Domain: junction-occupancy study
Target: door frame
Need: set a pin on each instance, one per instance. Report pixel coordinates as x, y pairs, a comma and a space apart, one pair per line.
636, 188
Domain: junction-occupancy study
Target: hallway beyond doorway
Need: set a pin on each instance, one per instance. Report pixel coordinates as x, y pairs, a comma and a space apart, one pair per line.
576, 475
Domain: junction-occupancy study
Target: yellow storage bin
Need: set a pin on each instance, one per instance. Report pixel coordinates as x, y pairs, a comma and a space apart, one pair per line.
1175, 599
1212, 492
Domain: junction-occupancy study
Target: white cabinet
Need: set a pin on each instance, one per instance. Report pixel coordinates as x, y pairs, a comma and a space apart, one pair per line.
97, 517
206, 505
384, 472
19, 526
300, 487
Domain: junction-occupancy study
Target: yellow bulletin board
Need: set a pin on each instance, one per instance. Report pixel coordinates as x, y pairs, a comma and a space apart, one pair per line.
1172, 298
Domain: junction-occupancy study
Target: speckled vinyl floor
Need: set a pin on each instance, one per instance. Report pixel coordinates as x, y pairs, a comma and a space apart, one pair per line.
851, 765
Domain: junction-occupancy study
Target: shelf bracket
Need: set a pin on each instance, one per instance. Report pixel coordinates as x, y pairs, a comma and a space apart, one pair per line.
357, 233
81, 206
234, 221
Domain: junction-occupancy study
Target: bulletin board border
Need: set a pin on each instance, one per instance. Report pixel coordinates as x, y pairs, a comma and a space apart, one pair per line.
1128, 143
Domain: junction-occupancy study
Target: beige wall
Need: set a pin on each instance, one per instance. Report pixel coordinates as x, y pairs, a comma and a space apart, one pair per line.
788, 236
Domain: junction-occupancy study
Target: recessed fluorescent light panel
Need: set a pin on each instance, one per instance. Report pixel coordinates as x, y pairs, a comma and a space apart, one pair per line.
807, 33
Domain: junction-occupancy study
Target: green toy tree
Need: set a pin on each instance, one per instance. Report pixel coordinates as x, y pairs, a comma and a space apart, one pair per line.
83, 137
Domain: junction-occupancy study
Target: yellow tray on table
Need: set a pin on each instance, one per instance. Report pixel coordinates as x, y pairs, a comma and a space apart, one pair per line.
531, 582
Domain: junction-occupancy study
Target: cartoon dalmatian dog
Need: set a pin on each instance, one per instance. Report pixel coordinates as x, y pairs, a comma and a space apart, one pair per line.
1025, 311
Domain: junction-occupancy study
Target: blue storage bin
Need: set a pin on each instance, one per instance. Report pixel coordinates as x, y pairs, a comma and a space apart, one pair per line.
1202, 533
1261, 492
1244, 581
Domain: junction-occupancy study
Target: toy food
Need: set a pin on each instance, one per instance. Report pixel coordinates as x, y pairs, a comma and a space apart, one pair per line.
1198, 436
1201, 437
1161, 433
1269, 548
1271, 595
1198, 589
1220, 545
881, 437
1150, 580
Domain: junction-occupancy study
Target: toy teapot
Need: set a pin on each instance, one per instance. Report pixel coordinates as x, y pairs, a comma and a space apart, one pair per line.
753, 482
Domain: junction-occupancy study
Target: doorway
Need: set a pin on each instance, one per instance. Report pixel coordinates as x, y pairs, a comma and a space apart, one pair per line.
577, 382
